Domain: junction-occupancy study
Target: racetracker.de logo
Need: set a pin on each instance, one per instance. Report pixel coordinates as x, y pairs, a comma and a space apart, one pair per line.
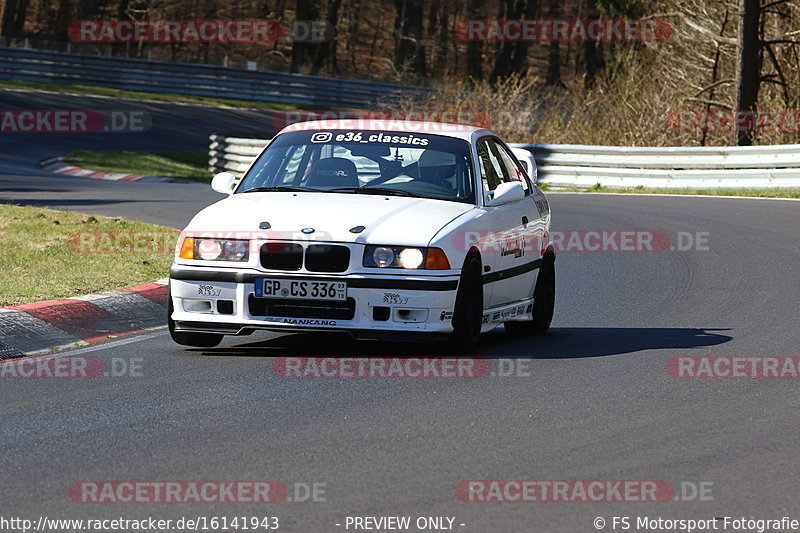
177, 492
363, 124
74, 121
123, 241
52, 367
564, 30
194, 31
531, 242
465, 117
563, 490
731, 121
381, 367
734, 367
70, 367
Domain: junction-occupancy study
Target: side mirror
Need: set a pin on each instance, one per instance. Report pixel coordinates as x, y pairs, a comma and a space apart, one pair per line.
505, 193
223, 183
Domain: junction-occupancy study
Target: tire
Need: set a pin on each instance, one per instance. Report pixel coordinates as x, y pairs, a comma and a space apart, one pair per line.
468, 311
186, 338
544, 300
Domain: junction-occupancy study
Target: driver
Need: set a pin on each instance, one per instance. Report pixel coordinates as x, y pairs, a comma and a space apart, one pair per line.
437, 168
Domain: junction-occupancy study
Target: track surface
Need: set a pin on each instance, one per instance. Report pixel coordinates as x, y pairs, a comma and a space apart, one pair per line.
174, 127
597, 402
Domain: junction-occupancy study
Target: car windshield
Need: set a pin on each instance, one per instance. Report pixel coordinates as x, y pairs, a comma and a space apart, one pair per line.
365, 162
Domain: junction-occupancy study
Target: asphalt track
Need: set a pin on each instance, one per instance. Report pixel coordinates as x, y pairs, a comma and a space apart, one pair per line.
590, 400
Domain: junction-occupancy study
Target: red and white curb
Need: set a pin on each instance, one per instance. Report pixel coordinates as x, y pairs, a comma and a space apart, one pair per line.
57, 165
40, 326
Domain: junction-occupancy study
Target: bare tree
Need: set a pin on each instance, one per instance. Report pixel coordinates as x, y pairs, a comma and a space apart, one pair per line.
409, 51
13, 18
301, 50
748, 69
592, 50
326, 52
554, 54
474, 68
502, 60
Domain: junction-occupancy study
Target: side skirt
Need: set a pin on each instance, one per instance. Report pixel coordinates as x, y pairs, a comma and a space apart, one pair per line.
516, 311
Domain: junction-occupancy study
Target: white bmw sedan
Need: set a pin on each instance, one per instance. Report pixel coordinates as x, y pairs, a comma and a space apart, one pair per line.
382, 229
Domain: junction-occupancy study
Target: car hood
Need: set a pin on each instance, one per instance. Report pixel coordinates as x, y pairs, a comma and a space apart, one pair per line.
386, 219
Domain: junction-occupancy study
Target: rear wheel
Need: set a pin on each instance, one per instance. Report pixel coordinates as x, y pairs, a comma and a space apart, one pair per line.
187, 338
468, 312
544, 299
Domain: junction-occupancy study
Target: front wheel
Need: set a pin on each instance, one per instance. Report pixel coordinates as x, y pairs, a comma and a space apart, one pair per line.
187, 338
544, 299
468, 312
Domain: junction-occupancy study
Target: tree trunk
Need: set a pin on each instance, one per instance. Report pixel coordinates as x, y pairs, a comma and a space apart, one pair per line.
13, 18
519, 61
60, 23
554, 54
304, 10
474, 60
592, 50
502, 61
748, 70
326, 53
409, 51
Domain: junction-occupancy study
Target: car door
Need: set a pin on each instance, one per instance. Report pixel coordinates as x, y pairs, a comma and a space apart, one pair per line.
513, 252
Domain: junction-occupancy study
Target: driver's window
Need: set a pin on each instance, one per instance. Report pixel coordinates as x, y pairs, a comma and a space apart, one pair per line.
491, 166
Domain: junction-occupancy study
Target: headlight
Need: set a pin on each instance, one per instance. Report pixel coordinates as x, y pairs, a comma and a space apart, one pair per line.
411, 258
215, 249
405, 257
383, 256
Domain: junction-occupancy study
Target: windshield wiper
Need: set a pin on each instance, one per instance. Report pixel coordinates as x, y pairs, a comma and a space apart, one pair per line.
377, 190
282, 188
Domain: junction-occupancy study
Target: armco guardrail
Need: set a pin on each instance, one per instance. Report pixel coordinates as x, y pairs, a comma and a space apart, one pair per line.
233, 154
667, 167
200, 80
612, 166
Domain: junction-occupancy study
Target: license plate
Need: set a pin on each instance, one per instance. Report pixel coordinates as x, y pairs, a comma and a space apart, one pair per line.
300, 289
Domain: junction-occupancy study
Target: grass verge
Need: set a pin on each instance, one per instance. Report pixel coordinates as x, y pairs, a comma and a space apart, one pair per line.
188, 164
144, 95
755, 193
48, 254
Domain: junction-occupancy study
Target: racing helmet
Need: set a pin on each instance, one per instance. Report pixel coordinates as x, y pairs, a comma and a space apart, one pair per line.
435, 167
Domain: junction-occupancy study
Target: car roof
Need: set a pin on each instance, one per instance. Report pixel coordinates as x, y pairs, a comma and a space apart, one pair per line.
457, 131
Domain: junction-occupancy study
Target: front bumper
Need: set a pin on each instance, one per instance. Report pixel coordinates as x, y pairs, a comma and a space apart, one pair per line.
223, 301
